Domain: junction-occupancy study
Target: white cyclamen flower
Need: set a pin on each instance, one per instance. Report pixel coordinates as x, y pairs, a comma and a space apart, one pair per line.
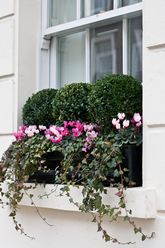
137, 117
115, 121
121, 116
118, 126
125, 123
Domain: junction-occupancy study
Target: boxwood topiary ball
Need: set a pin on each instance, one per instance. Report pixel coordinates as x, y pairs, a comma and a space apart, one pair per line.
38, 108
70, 102
114, 94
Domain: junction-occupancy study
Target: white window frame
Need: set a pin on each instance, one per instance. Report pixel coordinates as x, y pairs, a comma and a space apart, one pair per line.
48, 49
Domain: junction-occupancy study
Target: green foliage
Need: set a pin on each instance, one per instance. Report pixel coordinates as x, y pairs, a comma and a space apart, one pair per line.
71, 102
38, 108
114, 94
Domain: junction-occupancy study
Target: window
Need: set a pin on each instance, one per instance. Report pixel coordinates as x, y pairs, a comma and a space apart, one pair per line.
92, 38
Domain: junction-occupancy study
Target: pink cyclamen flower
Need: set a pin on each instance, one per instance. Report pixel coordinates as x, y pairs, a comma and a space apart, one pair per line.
65, 132
125, 123
121, 116
56, 139
79, 126
22, 128
65, 124
88, 139
71, 123
88, 127
137, 117
19, 135
138, 124
76, 132
92, 134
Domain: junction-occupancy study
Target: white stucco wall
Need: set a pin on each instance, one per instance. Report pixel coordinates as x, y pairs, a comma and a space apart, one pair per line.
6, 73
19, 34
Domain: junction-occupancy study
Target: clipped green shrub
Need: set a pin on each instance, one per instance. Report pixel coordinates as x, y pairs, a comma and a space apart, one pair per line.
70, 102
38, 108
114, 94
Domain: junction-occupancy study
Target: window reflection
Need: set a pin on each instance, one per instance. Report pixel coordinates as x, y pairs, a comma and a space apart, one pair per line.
135, 46
106, 51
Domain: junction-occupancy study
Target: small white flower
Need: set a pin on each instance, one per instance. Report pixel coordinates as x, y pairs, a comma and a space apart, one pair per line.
118, 126
125, 123
30, 134
88, 127
92, 134
42, 128
115, 121
48, 136
121, 116
137, 117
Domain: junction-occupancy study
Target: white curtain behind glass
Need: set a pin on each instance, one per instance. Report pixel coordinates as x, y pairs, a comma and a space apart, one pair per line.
71, 57
62, 11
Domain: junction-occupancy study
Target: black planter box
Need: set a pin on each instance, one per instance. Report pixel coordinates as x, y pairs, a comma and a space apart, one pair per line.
52, 163
133, 162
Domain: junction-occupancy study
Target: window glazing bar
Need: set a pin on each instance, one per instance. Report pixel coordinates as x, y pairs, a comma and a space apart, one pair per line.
125, 46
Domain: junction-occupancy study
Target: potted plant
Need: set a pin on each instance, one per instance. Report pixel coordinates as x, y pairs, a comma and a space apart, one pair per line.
87, 154
128, 134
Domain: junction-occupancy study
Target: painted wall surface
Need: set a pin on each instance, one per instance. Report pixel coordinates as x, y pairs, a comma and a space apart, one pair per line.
19, 43
7, 106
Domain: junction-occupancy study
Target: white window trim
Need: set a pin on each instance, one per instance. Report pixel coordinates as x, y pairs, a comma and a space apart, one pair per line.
125, 46
85, 22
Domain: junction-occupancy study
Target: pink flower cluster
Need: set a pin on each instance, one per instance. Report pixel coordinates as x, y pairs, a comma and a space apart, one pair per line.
122, 122
28, 131
74, 129
56, 134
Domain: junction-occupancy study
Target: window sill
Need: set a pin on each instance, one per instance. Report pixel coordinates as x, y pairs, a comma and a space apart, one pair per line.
142, 201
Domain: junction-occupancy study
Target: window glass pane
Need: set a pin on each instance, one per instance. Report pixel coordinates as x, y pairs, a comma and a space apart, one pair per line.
106, 55
129, 2
93, 7
135, 46
71, 58
62, 11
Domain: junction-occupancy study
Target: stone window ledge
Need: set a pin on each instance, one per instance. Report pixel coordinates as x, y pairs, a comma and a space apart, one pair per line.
142, 201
